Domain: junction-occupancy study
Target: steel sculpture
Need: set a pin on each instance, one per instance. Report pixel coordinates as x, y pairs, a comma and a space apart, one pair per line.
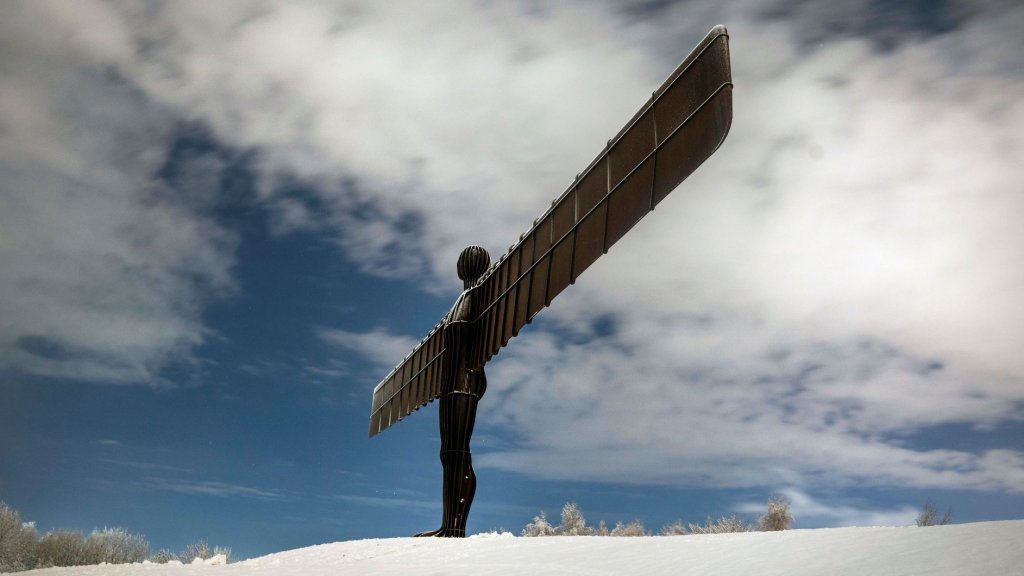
682, 124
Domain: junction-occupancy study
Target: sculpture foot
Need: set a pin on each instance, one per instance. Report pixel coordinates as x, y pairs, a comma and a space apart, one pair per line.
430, 533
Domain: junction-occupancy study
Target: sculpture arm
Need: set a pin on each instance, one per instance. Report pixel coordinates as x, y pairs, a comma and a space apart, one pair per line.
683, 123
413, 383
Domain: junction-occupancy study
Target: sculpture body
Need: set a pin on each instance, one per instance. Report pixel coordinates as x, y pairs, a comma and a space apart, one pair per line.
683, 123
463, 386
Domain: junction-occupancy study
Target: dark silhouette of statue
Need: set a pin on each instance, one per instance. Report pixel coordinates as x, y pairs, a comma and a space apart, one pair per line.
463, 386
682, 124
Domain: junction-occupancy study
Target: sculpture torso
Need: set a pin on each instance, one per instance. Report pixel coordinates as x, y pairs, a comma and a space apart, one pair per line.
459, 338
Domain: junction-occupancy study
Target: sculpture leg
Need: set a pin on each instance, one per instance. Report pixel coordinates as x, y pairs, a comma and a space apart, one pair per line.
459, 489
457, 417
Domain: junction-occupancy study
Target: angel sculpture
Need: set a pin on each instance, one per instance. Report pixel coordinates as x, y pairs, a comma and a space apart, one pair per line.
682, 124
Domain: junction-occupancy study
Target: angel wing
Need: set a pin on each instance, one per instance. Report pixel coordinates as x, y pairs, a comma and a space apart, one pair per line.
683, 123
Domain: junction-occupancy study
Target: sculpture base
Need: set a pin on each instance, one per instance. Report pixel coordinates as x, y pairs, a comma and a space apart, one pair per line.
443, 533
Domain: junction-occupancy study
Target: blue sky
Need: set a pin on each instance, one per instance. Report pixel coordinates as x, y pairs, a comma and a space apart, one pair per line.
223, 223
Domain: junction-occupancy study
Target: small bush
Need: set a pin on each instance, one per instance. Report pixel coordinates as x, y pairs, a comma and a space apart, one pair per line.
676, 528
198, 549
778, 516
539, 527
225, 551
63, 548
116, 546
573, 522
724, 525
929, 515
18, 541
163, 557
634, 528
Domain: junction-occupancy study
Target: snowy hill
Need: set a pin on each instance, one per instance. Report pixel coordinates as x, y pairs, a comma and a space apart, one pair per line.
983, 549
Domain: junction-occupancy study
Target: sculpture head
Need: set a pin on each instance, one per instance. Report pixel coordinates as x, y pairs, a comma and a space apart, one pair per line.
473, 262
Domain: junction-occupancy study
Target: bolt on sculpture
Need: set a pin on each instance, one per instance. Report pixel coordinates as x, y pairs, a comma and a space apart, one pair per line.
682, 124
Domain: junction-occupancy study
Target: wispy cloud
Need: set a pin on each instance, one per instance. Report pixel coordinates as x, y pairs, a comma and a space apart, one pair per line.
142, 465
320, 371
208, 488
379, 346
418, 504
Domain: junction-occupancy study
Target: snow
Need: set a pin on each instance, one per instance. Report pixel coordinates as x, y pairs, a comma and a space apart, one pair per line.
986, 548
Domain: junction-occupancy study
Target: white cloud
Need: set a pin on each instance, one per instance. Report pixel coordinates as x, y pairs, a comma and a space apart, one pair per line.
844, 272
105, 270
408, 117
623, 411
840, 276
810, 511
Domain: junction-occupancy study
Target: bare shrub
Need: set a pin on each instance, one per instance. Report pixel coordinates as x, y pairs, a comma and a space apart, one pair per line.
539, 527
63, 548
602, 529
163, 557
225, 551
723, 525
116, 546
18, 541
110, 545
634, 528
198, 549
22, 549
929, 515
676, 528
778, 516
573, 522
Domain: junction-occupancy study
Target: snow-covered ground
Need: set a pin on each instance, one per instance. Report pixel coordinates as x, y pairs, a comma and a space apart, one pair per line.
982, 549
